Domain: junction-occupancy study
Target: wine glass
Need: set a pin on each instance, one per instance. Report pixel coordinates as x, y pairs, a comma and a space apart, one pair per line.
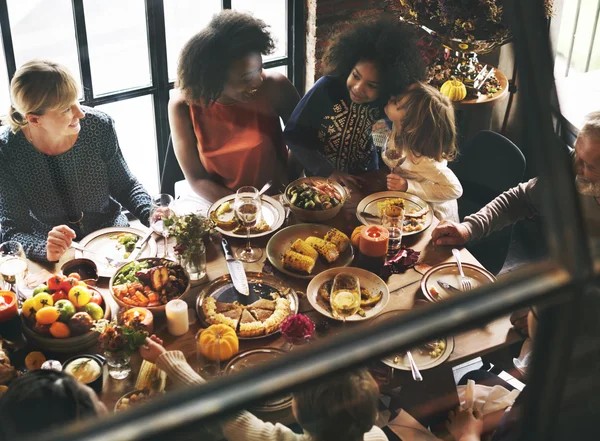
345, 295
392, 155
158, 211
13, 265
248, 210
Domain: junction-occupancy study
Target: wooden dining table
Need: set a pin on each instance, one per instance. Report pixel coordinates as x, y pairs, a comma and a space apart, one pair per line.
437, 391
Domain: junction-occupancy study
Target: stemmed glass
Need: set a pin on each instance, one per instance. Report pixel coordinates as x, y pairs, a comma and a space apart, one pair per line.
392, 154
248, 209
158, 211
345, 295
13, 265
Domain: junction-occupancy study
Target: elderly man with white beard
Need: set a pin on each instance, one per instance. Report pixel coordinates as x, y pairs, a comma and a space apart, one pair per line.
523, 201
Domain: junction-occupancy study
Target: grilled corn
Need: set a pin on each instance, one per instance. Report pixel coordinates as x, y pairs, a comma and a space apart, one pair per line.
151, 378
298, 262
302, 247
327, 250
339, 239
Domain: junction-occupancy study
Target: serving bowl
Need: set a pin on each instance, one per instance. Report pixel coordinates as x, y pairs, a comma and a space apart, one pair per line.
153, 262
316, 215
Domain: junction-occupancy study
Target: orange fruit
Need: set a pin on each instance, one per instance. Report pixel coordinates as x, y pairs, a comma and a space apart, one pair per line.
34, 360
47, 315
60, 330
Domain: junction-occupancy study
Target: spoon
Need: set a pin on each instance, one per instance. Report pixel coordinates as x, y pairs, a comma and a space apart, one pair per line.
265, 188
413, 368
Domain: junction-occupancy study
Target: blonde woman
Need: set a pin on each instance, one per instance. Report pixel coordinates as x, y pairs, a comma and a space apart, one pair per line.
62, 173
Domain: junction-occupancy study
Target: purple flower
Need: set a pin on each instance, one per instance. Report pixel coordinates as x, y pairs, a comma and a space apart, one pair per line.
297, 327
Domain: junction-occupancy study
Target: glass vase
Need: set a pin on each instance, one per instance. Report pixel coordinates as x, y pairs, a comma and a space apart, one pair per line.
194, 261
119, 366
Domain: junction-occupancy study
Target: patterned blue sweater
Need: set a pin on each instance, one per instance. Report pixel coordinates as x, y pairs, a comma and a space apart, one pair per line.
39, 192
328, 132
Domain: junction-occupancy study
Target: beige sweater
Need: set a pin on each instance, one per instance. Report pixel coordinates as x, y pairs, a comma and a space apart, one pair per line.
243, 426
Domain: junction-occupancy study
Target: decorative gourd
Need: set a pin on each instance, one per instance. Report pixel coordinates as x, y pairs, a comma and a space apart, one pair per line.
454, 89
219, 342
355, 237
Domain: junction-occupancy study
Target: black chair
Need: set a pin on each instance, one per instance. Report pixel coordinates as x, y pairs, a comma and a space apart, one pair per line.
488, 165
171, 171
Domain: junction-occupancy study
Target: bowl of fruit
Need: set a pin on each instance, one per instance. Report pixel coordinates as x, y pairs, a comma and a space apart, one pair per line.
315, 199
150, 283
61, 313
132, 399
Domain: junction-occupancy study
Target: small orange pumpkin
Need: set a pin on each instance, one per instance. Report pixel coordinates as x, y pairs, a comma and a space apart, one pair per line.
219, 342
355, 238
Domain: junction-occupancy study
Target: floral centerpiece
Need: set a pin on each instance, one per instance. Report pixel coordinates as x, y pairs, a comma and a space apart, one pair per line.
297, 329
189, 231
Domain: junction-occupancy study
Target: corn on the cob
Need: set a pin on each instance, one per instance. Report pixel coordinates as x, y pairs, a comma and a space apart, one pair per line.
302, 247
327, 250
151, 378
298, 262
339, 239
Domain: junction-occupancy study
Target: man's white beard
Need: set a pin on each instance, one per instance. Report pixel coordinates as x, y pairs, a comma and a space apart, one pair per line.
587, 188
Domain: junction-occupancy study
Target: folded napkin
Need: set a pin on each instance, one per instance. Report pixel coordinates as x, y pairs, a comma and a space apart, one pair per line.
485, 398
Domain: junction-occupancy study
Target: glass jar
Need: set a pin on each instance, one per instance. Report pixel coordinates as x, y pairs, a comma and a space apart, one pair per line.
194, 261
119, 366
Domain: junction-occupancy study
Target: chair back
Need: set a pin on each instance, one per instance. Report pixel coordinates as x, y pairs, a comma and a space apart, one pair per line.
488, 165
171, 171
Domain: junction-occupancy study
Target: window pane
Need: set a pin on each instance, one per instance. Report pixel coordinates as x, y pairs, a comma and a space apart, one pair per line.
281, 69
118, 44
183, 19
137, 141
44, 29
274, 13
4, 86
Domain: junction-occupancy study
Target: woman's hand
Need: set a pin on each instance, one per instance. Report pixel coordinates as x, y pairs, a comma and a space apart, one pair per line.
396, 183
152, 349
465, 424
58, 242
346, 179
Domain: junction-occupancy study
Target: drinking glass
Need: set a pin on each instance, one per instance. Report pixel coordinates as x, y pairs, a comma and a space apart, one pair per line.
393, 155
248, 209
345, 295
393, 221
13, 266
158, 211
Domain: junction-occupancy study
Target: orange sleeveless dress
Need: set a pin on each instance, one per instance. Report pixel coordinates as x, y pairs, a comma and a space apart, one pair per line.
240, 144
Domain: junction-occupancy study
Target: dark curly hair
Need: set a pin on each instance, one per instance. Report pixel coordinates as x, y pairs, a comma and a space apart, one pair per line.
390, 44
205, 60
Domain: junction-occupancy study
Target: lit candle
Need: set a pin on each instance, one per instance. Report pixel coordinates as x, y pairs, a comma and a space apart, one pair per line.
8, 305
177, 317
374, 241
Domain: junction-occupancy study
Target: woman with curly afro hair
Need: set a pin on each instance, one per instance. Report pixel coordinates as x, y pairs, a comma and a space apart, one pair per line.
225, 114
365, 65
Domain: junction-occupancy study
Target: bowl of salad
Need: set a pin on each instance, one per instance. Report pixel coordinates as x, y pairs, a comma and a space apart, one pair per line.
315, 199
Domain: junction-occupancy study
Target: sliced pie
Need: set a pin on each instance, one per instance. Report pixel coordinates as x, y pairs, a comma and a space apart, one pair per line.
223, 307
249, 326
282, 310
261, 314
221, 313
263, 304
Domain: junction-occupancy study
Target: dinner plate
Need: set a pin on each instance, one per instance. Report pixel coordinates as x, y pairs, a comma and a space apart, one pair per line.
448, 273
272, 212
254, 357
100, 241
260, 285
374, 284
423, 360
283, 240
368, 213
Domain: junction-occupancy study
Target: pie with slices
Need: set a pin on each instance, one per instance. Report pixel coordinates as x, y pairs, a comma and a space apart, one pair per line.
259, 318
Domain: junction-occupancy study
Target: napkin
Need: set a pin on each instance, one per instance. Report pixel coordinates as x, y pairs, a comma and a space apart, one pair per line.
485, 398
409, 429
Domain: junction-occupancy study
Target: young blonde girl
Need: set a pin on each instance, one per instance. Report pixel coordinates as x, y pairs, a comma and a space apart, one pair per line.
422, 141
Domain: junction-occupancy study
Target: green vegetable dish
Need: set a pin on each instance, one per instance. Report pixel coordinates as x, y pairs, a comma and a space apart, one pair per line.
125, 241
316, 196
127, 273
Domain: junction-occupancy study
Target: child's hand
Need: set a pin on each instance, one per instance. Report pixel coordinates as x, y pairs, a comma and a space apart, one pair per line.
152, 349
465, 424
396, 183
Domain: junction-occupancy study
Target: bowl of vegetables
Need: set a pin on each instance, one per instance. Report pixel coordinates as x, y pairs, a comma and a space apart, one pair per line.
149, 282
315, 199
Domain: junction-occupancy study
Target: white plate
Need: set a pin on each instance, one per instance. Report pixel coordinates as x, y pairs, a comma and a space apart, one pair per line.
272, 212
367, 279
100, 242
448, 272
412, 204
423, 361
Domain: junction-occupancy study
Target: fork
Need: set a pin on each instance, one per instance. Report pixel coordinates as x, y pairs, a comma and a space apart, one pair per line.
112, 262
465, 283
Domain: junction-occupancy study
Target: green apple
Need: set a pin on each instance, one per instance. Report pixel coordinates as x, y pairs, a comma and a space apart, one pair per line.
94, 310
42, 288
66, 309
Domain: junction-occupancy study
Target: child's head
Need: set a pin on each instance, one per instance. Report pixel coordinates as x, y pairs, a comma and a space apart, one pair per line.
342, 408
57, 397
377, 58
423, 122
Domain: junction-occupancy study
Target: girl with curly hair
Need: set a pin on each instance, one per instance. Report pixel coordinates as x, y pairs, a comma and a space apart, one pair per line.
224, 116
330, 129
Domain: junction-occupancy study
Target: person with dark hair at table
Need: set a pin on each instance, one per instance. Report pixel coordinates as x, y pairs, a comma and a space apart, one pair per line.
225, 113
365, 65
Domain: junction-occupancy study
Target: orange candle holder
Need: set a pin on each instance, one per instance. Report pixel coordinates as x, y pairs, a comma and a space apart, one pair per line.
374, 241
8, 305
144, 315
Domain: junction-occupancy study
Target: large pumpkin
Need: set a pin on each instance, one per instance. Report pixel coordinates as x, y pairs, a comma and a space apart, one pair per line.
355, 238
219, 342
454, 89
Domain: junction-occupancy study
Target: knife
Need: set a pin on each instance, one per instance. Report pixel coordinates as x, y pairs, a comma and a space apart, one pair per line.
236, 270
139, 245
448, 287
